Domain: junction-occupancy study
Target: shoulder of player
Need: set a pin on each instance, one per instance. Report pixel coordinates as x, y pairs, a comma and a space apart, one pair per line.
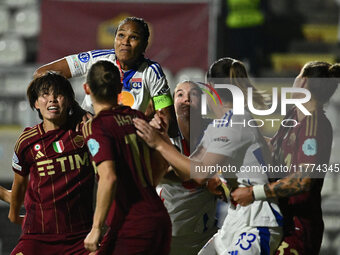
313, 124
87, 127
152, 68
103, 54
137, 113
98, 122
108, 54
127, 110
224, 121
27, 135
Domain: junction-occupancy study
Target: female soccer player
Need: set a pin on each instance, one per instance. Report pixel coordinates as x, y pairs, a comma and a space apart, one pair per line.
142, 78
190, 205
53, 174
138, 221
246, 230
304, 146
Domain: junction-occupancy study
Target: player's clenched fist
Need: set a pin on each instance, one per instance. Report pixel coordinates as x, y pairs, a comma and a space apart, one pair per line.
91, 242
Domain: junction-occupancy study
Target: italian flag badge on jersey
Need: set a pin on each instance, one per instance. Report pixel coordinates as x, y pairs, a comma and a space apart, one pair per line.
58, 146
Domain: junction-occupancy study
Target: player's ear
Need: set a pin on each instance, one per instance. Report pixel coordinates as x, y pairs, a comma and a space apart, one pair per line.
304, 82
36, 105
86, 88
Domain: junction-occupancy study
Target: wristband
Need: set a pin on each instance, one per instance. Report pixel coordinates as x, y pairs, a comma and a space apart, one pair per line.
162, 101
258, 191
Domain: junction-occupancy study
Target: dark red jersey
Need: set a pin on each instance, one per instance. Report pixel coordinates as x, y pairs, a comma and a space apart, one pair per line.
60, 190
307, 143
111, 135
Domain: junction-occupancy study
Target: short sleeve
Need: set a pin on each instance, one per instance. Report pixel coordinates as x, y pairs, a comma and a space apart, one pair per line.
79, 64
224, 140
158, 86
314, 141
99, 142
19, 165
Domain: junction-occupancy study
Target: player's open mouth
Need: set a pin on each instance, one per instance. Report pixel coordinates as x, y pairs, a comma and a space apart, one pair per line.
53, 108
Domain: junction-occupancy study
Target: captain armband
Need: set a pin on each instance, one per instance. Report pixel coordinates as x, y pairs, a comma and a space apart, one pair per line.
259, 193
162, 101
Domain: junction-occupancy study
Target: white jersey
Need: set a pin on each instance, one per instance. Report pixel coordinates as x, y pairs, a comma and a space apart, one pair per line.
192, 210
140, 85
191, 207
244, 146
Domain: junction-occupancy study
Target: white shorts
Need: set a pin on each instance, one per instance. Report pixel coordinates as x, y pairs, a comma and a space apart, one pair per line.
247, 241
236, 237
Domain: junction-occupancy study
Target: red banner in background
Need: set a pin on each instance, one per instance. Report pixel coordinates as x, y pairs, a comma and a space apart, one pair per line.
179, 31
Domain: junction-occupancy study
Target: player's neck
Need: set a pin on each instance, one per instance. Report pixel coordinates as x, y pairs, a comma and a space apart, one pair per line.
52, 125
98, 107
184, 127
133, 64
125, 67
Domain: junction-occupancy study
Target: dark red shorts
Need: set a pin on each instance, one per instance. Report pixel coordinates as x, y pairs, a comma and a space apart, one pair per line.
304, 239
30, 244
150, 236
291, 245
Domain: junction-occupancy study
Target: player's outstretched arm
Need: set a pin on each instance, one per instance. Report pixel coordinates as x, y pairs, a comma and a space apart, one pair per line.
181, 164
5, 195
19, 188
154, 139
291, 185
60, 66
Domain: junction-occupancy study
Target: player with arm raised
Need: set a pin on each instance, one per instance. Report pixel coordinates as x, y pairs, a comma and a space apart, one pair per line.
142, 79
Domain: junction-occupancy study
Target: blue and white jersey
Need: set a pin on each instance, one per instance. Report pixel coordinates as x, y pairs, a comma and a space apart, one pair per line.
246, 149
191, 207
140, 85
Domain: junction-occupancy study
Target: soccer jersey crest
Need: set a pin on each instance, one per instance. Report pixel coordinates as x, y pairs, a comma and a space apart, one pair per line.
136, 83
58, 146
79, 141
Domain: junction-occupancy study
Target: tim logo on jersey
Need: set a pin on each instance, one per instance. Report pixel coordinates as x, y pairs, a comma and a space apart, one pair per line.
136, 83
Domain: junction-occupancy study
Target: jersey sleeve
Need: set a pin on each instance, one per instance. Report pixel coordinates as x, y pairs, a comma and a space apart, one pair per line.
99, 143
79, 64
158, 86
19, 164
313, 141
225, 141
222, 137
